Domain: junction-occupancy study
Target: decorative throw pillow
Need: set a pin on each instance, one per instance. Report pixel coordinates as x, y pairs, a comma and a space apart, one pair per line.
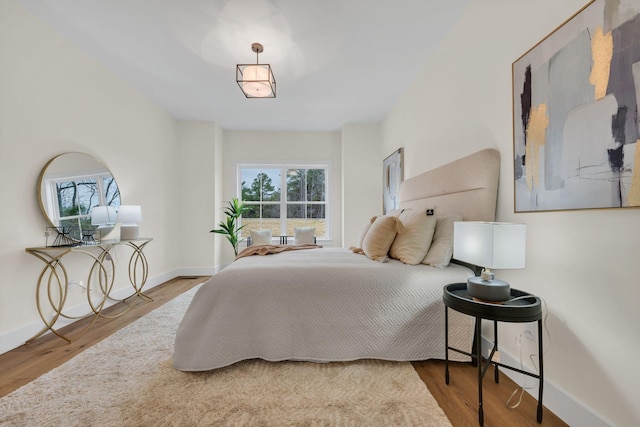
364, 231
380, 236
304, 236
262, 237
441, 249
412, 246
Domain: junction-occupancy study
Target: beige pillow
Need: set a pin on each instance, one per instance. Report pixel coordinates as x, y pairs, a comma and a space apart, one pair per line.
262, 237
304, 235
380, 236
412, 246
365, 229
441, 249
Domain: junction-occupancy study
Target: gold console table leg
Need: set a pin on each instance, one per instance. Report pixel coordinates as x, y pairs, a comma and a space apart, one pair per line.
54, 276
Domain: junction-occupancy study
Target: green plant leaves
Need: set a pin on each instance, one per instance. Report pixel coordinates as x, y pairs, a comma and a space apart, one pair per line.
229, 227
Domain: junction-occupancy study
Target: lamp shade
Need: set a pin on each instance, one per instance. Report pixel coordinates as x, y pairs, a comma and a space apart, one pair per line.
102, 215
494, 245
130, 214
256, 81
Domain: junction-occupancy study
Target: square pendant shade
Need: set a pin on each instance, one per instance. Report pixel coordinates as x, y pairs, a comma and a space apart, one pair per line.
256, 80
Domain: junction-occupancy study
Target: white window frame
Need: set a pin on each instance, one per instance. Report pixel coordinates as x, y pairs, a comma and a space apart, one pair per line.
283, 188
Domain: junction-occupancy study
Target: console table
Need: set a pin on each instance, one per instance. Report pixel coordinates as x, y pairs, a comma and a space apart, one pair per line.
521, 307
53, 283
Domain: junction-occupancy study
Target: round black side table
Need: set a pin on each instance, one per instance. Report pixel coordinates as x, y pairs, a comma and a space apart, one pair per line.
521, 307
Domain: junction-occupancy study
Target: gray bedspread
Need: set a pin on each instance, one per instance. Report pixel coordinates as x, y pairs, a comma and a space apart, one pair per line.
324, 304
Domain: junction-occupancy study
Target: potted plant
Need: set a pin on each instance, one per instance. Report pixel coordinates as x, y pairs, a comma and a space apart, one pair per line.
229, 228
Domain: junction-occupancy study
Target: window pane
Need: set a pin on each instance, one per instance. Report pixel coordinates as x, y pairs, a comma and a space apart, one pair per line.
295, 210
315, 210
111, 192
270, 181
271, 211
315, 185
249, 178
319, 224
296, 185
252, 211
260, 185
76, 197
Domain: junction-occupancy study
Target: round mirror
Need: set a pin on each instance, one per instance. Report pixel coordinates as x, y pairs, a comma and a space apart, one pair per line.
71, 185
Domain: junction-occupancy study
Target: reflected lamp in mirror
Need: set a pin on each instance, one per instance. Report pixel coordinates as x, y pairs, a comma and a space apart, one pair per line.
129, 217
103, 217
491, 245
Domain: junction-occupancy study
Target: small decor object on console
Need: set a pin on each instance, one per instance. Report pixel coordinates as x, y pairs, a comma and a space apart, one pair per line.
65, 236
129, 216
490, 245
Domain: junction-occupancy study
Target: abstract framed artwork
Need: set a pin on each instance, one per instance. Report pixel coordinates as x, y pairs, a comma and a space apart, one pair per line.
392, 176
575, 113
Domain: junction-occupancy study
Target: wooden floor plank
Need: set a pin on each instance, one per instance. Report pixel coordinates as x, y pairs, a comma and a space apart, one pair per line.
459, 399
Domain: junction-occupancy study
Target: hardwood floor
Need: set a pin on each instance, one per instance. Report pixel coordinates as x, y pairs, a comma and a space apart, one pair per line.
458, 399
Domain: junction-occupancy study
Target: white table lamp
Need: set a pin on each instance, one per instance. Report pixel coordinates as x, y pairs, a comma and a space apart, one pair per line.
129, 217
491, 245
104, 217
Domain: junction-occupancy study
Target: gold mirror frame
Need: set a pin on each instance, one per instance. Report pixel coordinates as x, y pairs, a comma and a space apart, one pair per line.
70, 165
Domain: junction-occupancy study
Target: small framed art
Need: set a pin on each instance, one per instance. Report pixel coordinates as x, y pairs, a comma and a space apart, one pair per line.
392, 176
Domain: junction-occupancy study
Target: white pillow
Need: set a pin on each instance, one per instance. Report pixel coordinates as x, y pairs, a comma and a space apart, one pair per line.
262, 237
441, 249
304, 236
412, 246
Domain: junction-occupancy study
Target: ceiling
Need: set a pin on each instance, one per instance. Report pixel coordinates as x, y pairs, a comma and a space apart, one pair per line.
335, 61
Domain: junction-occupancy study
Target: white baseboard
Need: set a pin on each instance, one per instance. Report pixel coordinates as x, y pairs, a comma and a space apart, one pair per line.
557, 400
17, 337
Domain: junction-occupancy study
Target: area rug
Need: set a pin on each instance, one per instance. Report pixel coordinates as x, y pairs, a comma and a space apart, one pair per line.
127, 380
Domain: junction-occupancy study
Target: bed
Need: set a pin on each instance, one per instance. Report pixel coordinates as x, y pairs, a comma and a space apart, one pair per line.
334, 304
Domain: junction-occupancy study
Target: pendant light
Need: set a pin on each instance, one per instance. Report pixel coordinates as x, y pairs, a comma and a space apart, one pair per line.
256, 80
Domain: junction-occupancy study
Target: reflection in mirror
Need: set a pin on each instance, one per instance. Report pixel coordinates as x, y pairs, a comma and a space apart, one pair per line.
71, 185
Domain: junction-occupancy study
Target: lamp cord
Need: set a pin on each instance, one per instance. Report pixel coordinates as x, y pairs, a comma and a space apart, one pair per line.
509, 403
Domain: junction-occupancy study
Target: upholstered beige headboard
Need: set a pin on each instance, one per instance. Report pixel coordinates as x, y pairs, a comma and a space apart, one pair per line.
467, 186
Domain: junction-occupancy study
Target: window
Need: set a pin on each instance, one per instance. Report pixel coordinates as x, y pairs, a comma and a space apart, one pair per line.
284, 197
73, 198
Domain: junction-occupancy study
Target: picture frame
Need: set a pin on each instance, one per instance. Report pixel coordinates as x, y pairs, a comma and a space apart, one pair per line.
392, 177
575, 119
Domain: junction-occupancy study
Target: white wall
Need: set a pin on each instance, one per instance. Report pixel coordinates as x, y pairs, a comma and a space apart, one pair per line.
361, 179
200, 186
279, 147
581, 262
54, 99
